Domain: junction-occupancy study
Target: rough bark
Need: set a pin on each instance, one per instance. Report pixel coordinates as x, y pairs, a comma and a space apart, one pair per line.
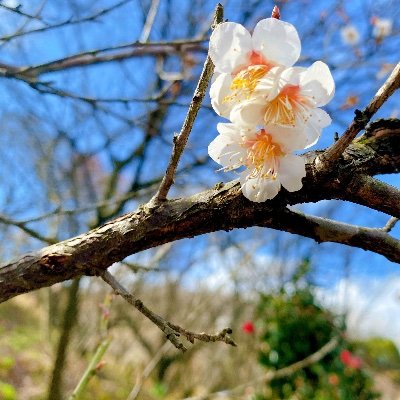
224, 208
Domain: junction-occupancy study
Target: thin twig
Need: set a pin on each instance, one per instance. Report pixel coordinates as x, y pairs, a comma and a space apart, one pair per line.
67, 22
171, 331
151, 15
306, 362
91, 369
390, 224
222, 336
31, 232
181, 139
327, 159
147, 371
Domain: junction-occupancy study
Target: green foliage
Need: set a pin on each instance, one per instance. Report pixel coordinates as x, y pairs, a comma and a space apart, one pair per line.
381, 353
7, 391
293, 326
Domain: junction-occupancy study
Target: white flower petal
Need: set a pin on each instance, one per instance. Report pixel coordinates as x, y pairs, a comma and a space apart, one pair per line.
220, 88
226, 150
234, 131
277, 41
230, 45
291, 76
269, 84
313, 134
289, 139
318, 120
291, 171
230, 131
258, 190
317, 83
248, 113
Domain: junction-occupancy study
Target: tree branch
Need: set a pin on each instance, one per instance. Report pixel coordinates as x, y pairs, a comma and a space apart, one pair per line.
31, 74
180, 140
222, 208
171, 331
327, 230
326, 160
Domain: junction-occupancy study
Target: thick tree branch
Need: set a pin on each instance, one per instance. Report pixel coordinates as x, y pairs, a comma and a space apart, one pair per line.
327, 230
372, 193
222, 208
326, 160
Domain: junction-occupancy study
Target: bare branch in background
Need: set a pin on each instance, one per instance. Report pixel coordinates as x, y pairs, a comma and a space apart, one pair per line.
70, 21
277, 374
171, 331
151, 15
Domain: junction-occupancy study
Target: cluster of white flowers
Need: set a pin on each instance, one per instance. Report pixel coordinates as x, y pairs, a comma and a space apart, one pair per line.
273, 107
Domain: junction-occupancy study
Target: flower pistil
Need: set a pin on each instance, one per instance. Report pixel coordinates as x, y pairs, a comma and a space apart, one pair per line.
286, 107
262, 156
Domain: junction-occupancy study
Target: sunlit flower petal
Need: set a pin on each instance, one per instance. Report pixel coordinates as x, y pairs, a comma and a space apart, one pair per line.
291, 171
225, 149
288, 139
249, 113
219, 90
317, 84
246, 59
277, 41
266, 156
230, 44
258, 190
290, 101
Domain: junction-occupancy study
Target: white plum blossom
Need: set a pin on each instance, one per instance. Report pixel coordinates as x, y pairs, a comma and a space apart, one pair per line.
290, 99
350, 35
242, 59
274, 108
382, 27
265, 153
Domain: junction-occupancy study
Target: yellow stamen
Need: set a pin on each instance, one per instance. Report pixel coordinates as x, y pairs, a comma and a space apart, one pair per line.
263, 156
285, 108
245, 82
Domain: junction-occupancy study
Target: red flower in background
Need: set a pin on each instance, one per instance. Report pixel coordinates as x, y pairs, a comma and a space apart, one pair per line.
248, 327
349, 360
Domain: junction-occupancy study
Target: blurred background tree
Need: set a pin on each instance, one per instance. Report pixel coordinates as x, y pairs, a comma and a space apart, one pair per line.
292, 326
